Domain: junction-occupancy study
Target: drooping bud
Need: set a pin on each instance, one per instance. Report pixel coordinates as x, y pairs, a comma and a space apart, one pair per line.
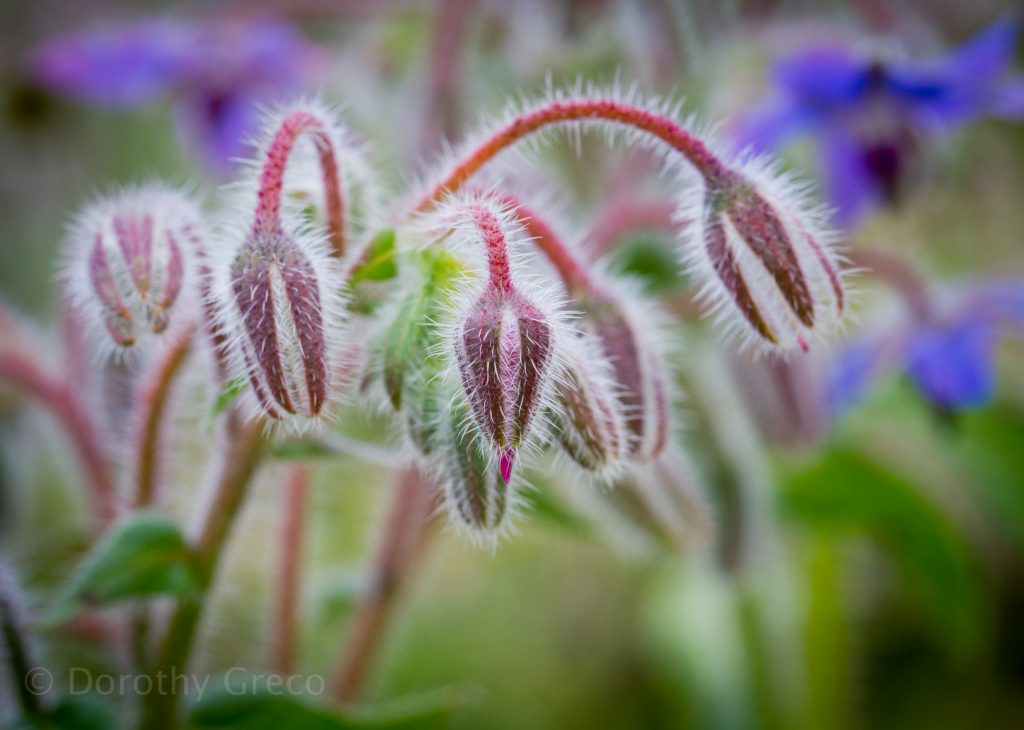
588, 411
766, 254
504, 345
477, 491
127, 260
279, 315
621, 324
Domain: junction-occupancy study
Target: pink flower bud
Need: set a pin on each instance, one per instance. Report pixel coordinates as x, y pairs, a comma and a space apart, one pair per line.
504, 347
127, 260
622, 325
276, 314
767, 258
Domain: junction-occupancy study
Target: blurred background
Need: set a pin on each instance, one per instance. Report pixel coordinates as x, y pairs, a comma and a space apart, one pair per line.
863, 566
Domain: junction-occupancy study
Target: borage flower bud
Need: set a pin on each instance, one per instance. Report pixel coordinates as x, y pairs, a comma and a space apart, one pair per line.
127, 258
622, 325
766, 253
588, 411
504, 343
478, 495
278, 311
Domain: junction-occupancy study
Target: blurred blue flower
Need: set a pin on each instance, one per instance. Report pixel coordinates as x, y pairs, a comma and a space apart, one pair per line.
952, 362
217, 72
869, 115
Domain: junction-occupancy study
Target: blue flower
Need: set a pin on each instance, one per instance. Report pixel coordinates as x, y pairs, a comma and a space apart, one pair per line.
951, 362
870, 116
217, 72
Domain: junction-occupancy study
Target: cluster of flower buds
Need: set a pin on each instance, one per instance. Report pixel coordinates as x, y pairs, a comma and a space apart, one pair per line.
128, 258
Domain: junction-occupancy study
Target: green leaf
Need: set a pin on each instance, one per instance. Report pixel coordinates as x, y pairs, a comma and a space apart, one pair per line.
379, 263
845, 490
144, 555
409, 340
84, 712
261, 702
228, 394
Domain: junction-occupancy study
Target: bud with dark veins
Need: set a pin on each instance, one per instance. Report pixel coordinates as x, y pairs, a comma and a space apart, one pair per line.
767, 258
504, 344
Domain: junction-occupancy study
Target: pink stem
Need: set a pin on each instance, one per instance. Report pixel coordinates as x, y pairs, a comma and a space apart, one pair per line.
497, 247
153, 398
569, 111
78, 424
268, 209
296, 505
403, 536
627, 216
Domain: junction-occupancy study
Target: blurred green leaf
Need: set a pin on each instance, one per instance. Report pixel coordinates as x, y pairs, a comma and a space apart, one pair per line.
650, 260
546, 507
846, 490
228, 394
83, 712
144, 555
379, 263
245, 704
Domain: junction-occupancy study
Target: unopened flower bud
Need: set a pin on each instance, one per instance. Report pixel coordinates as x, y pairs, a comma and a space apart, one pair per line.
127, 260
278, 316
768, 258
504, 343
477, 492
621, 325
588, 410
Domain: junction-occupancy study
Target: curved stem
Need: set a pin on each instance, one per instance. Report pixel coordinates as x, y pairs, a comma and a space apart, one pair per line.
568, 111
573, 272
153, 397
498, 266
271, 186
71, 413
404, 534
289, 586
239, 462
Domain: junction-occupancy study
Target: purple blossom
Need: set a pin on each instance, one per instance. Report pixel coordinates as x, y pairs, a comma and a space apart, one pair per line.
216, 72
870, 115
951, 362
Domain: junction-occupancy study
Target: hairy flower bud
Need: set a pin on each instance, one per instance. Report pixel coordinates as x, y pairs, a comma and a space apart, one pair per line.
477, 491
588, 410
278, 315
127, 260
504, 342
769, 259
620, 323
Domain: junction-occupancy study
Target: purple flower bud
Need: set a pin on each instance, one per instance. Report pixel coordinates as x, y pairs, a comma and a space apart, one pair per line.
621, 325
504, 347
588, 410
127, 260
766, 258
280, 325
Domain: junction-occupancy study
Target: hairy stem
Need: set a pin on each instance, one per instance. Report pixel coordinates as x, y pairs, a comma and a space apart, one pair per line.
62, 399
568, 111
403, 536
271, 186
289, 586
245, 445
153, 399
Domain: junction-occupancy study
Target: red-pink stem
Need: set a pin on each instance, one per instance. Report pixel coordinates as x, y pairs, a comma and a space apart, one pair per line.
498, 266
153, 398
566, 112
289, 586
572, 271
71, 413
450, 27
403, 536
271, 186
